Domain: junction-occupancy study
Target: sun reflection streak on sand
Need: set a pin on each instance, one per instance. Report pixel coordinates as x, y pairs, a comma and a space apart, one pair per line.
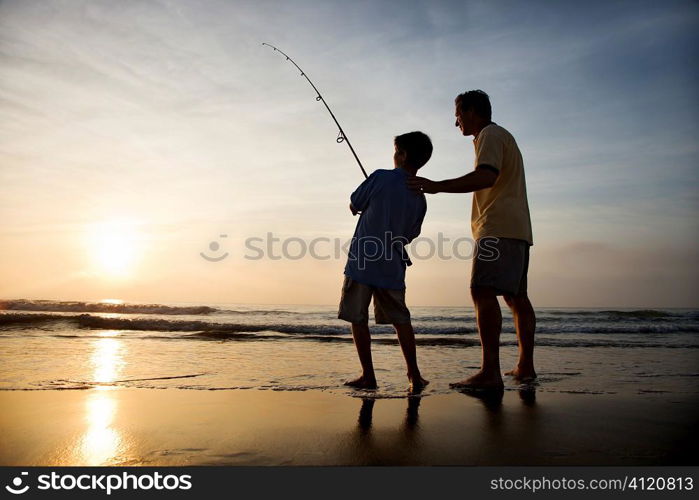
102, 443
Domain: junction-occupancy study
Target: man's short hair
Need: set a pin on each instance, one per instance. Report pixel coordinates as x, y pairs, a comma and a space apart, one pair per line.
476, 99
417, 146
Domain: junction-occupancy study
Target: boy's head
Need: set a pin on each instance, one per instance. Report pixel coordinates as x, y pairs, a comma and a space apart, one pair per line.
413, 150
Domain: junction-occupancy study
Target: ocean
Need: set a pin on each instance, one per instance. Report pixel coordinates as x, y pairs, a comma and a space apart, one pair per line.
62, 345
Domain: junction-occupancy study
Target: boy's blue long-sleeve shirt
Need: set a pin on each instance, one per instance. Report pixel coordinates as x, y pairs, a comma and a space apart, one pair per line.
391, 217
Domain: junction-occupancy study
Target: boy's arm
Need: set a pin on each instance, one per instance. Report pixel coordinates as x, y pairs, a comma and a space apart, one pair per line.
417, 225
359, 200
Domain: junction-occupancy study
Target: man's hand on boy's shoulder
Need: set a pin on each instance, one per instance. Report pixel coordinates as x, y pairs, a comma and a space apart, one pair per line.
422, 185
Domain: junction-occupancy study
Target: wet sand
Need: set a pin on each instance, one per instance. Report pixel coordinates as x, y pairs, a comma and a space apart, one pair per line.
252, 427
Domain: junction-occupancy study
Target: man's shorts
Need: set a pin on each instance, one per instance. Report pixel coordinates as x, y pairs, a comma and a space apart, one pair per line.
501, 264
389, 305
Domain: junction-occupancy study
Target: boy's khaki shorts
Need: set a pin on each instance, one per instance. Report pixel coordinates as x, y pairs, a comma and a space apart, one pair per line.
389, 305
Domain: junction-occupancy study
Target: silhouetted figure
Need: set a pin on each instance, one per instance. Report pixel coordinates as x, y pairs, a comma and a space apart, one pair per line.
501, 226
391, 217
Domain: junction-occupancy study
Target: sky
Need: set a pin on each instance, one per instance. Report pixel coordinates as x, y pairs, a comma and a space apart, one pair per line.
134, 134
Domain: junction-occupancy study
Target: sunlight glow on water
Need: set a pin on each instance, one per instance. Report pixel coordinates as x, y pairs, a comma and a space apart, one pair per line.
190, 346
101, 442
107, 358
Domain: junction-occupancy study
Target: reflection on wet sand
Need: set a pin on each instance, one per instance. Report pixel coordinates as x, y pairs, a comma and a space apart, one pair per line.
507, 434
371, 444
380, 436
366, 413
101, 442
367, 447
411, 414
487, 432
492, 400
528, 395
177, 427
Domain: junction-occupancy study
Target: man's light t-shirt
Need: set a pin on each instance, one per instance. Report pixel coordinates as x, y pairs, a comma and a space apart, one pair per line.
502, 210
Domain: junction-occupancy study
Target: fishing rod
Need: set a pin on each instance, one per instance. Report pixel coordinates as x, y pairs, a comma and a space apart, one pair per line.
341, 136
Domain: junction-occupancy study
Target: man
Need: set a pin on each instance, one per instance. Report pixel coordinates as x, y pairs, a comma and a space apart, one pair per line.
501, 226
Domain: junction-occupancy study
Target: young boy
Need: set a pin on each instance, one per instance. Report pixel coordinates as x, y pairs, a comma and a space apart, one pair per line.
391, 217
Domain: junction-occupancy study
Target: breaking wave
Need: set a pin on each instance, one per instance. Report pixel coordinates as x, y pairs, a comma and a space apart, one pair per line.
101, 307
88, 321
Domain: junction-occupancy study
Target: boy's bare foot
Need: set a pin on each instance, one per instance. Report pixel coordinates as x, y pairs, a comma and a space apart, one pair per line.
480, 382
522, 375
417, 384
362, 383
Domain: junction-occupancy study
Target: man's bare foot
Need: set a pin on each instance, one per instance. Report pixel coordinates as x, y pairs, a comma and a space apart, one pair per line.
480, 382
522, 375
362, 383
417, 384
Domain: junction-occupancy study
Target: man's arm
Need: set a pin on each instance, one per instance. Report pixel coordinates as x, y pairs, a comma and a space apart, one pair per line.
482, 178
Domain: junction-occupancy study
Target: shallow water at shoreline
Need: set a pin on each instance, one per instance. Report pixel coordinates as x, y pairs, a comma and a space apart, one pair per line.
296, 348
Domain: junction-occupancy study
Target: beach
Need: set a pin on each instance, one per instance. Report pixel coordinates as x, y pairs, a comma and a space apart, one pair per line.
193, 190
193, 384
151, 427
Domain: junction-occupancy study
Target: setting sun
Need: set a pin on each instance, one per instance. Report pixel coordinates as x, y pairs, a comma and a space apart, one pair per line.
114, 248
